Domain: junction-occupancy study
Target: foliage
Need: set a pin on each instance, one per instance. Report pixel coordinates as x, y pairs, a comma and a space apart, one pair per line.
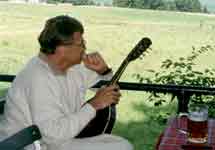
148, 4
74, 2
181, 5
154, 4
183, 72
188, 5
122, 3
170, 5
205, 9
136, 4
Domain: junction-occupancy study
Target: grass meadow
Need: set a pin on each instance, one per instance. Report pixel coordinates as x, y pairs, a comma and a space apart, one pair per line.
114, 32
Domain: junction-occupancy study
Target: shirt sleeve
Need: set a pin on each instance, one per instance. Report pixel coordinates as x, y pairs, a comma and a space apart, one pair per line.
91, 77
48, 112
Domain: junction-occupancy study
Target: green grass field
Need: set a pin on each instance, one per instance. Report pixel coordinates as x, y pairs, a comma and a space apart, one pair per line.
114, 32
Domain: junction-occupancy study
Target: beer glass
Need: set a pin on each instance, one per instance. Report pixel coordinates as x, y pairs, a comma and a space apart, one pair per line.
197, 123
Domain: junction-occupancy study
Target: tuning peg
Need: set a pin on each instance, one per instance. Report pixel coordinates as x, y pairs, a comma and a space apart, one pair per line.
143, 55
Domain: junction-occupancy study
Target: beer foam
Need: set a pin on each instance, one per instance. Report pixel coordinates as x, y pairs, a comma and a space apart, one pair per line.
198, 116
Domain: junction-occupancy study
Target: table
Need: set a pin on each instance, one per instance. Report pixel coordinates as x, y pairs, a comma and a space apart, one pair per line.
172, 139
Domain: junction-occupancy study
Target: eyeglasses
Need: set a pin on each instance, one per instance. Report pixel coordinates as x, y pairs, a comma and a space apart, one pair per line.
82, 44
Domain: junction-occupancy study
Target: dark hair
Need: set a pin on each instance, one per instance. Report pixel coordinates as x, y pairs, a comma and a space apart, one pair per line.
58, 30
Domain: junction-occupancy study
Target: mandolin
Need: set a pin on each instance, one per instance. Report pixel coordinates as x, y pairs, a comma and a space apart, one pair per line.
105, 118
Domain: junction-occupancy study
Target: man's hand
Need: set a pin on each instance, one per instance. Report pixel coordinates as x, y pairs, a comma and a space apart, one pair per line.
94, 61
105, 97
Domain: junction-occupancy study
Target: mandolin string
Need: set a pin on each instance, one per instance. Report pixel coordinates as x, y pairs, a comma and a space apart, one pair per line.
119, 72
115, 78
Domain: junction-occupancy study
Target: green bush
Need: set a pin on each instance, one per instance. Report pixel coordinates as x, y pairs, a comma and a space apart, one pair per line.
183, 72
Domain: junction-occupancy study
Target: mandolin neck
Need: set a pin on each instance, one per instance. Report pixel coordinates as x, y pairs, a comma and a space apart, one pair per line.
137, 51
119, 72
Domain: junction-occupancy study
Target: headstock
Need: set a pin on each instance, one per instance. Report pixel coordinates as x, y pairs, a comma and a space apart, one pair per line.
138, 50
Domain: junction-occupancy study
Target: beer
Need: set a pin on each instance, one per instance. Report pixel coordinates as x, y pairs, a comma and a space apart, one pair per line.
198, 124
197, 130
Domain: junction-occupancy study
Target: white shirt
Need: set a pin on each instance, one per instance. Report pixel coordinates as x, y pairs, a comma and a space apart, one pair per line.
51, 101
55, 101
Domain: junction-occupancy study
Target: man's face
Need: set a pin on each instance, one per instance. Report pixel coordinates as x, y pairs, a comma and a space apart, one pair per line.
73, 50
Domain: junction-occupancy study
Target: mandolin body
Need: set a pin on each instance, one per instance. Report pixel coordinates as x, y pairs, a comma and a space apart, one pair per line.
102, 123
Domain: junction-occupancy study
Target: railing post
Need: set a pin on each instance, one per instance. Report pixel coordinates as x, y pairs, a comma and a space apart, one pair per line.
183, 101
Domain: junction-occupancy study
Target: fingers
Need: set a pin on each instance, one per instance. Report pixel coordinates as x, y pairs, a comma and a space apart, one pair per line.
113, 93
114, 87
105, 97
95, 62
114, 99
93, 58
110, 94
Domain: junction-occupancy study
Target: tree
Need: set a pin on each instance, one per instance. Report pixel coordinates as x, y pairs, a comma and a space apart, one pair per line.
80, 2
121, 3
188, 5
170, 5
137, 3
181, 5
196, 6
156, 4
148, 4
205, 9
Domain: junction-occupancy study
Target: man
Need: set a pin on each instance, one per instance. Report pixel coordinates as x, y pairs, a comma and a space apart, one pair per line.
49, 91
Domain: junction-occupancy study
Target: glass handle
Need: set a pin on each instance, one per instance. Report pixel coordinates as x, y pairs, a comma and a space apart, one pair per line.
181, 123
